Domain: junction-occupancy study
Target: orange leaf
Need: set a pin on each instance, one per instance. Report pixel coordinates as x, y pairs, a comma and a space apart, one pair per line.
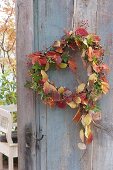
77, 116
59, 50
72, 65
105, 87
89, 139
50, 102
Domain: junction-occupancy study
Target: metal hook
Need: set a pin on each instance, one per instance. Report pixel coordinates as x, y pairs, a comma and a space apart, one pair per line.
38, 139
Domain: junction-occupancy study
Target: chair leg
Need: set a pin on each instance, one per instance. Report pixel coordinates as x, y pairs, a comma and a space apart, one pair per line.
10, 163
1, 161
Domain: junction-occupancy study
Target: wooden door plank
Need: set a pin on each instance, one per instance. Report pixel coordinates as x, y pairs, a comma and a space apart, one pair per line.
99, 15
59, 146
26, 99
103, 143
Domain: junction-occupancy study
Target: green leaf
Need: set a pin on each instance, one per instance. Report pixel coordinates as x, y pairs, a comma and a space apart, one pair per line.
65, 57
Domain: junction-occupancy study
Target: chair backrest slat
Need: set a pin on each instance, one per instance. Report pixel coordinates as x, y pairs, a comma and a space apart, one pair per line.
6, 123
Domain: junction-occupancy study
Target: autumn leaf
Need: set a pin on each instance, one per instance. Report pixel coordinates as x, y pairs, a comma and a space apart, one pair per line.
72, 65
81, 146
72, 104
39, 58
104, 87
56, 96
59, 50
98, 53
48, 88
77, 116
82, 135
96, 68
89, 70
86, 119
105, 67
93, 77
62, 65
50, 102
78, 100
47, 66
87, 131
89, 139
90, 54
44, 76
73, 45
57, 44
95, 38
96, 116
61, 104
55, 56
81, 31
61, 90
80, 88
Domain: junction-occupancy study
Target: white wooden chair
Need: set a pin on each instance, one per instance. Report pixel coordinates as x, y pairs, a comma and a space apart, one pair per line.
8, 148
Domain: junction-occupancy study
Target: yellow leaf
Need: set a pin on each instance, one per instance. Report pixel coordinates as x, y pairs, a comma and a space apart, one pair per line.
87, 131
44, 75
81, 88
82, 135
47, 67
48, 87
63, 65
72, 105
93, 77
57, 44
78, 100
61, 90
82, 146
105, 87
86, 119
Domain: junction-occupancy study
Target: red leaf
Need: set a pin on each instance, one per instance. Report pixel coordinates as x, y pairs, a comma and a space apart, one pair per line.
105, 67
55, 56
81, 32
72, 65
38, 57
96, 38
61, 104
73, 45
56, 96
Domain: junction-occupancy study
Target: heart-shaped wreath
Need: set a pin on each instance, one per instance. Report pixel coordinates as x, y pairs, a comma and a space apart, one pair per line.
85, 97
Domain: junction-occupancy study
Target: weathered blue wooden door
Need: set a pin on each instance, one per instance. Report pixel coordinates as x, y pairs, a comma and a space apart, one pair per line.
58, 150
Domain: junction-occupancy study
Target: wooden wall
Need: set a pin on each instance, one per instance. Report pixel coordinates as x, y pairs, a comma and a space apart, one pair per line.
39, 23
